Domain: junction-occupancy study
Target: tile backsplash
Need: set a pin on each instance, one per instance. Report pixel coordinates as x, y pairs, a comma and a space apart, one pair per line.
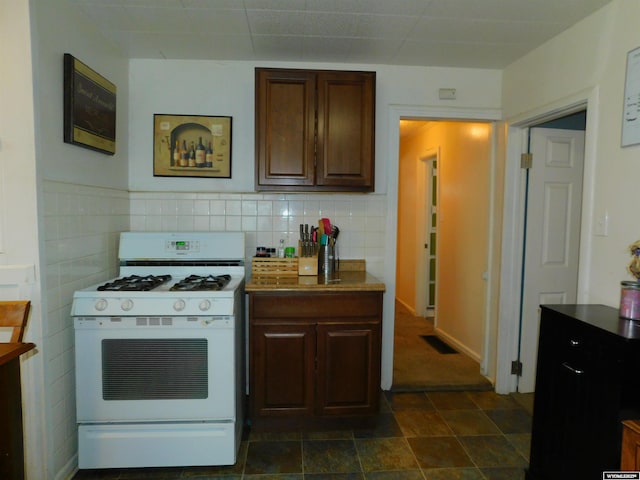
267, 218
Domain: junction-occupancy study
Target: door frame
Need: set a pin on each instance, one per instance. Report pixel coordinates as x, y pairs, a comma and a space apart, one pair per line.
513, 223
423, 222
395, 114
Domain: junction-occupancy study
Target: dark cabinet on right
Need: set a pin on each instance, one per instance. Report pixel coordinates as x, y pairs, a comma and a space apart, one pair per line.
315, 130
587, 383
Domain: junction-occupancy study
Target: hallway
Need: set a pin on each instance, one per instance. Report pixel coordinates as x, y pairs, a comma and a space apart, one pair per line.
417, 366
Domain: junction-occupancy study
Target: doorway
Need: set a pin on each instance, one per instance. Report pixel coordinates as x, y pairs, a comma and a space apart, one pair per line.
444, 193
513, 252
552, 214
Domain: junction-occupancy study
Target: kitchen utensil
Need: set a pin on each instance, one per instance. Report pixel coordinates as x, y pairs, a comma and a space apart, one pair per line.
326, 223
335, 231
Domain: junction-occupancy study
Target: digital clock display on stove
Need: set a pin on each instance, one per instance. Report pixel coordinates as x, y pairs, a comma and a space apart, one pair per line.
183, 245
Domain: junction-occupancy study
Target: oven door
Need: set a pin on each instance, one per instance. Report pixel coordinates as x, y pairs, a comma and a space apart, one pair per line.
155, 369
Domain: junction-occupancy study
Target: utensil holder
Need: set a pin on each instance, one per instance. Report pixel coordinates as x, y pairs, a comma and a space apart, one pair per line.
327, 260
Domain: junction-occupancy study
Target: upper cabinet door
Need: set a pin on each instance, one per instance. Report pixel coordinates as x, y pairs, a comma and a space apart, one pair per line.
285, 128
315, 130
346, 119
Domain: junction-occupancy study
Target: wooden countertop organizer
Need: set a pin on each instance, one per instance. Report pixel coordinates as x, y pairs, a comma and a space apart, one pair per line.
307, 265
274, 267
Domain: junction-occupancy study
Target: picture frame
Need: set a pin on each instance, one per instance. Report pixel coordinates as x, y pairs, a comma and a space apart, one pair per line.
179, 141
630, 131
89, 107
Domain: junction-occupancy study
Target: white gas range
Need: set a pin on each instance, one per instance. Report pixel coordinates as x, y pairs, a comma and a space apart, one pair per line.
159, 353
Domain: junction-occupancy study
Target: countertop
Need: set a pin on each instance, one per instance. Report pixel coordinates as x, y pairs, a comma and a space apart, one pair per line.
341, 281
11, 351
601, 317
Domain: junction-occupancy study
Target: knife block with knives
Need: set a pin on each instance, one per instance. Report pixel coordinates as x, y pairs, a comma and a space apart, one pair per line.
308, 265
307, 252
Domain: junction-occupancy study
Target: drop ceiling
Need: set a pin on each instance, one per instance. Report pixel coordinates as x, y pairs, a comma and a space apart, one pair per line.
448, 33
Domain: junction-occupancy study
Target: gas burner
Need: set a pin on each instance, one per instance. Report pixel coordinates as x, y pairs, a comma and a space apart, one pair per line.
201, 283
135, 283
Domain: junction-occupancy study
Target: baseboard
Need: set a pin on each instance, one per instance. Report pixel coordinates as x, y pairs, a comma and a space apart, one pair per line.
457, 345
411, 309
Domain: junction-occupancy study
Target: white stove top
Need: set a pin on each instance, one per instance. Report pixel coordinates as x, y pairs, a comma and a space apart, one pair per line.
178, 255
160, 301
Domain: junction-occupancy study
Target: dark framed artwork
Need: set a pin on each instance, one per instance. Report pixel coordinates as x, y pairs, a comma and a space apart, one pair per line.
191, 146
89, 107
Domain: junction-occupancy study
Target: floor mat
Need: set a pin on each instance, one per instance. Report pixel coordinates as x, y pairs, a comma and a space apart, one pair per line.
439, 345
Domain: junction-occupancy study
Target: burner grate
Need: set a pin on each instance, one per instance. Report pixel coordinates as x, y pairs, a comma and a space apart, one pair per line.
202, 283
135, 283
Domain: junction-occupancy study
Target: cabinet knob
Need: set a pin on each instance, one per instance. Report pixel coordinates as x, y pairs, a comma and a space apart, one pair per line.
574, 343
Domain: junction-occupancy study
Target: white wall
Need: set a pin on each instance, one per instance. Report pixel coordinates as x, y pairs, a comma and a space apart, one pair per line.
53, 216
590, 60
59, 29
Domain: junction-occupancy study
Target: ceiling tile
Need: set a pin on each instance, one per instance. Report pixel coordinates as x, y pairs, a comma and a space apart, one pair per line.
159, 20
207, 21
274, 47
378, 26
386, 7
267, 22
330, 24
482, 31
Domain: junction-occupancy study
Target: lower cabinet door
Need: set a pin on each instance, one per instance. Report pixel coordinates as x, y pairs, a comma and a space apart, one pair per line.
282, 369
348, 371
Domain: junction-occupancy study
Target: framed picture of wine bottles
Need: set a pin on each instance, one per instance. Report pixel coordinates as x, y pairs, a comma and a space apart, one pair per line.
191, 146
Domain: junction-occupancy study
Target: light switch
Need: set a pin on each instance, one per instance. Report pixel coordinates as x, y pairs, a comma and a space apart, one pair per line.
601, 228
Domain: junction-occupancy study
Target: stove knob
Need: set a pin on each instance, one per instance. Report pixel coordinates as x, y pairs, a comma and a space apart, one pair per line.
179, 305
126, 305
100, 305
204, 305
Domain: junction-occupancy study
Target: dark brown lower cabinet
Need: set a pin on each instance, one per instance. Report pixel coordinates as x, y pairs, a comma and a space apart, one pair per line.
314, 354
587, 383
630, 458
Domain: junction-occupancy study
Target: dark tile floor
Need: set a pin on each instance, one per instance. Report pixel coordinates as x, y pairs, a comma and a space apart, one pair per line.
461, 435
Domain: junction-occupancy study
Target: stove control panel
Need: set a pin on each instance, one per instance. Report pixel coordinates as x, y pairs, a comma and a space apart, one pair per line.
182, 246
114, 304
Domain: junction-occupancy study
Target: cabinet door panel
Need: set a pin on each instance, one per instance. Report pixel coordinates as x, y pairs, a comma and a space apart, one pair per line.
348, 368
346, 129
630, 458
283, 362
285, 127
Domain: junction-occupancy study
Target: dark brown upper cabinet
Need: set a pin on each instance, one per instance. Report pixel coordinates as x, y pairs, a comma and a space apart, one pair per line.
315, 130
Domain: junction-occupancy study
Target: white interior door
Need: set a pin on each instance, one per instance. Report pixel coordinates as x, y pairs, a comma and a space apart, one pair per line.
552, 238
